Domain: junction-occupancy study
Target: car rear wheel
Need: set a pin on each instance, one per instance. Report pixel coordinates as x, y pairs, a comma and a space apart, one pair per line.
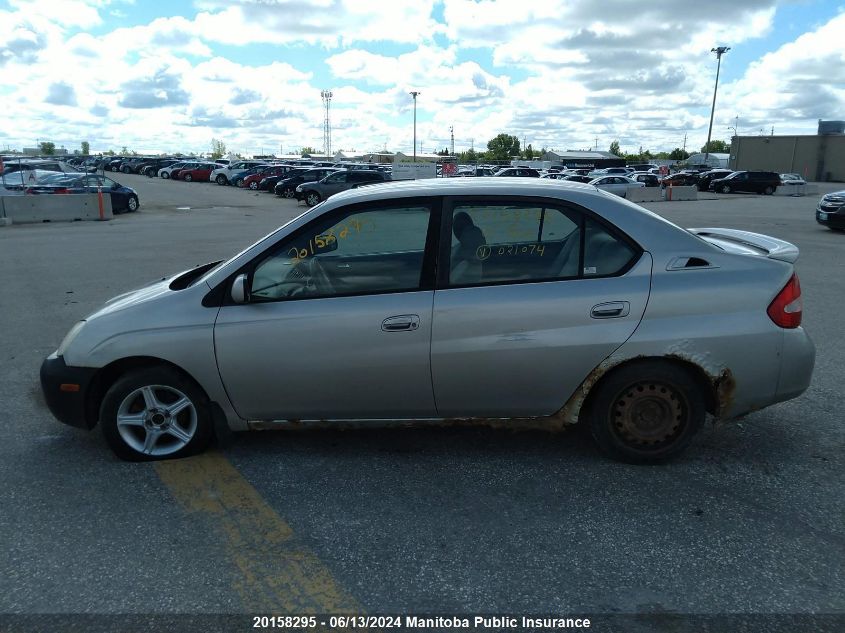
220, 180
312, 198
288, 192
114, 168
725, 189
155, 413
769, 190
132, 204
646, 412
188, 178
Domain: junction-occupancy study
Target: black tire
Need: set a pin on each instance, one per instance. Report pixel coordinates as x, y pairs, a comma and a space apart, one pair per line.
725, 189
132, 204
161, 380
253, 185
238, 182
165, 175
836, 229
221, 179
312, 198
769, 190
114, 168
288, 192
646, 412
188, 178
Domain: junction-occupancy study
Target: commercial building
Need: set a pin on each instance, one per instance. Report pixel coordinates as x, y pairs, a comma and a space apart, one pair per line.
583, 158
819, 157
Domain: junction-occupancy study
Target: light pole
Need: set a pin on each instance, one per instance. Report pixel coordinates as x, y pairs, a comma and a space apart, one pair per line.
414, 94
719, 50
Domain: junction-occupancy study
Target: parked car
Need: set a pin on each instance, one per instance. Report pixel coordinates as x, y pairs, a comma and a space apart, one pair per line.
681, 179
131, 165
238, 177
830, 211
20, 180
610, 171
765, 182
520, 172
643, 167
705, 178
151, 167
165, 172
122, 198
390, 296
315, 192
618, 185
648, 179
223, 175
198, 172
286, 187
791, 180
259, 180
578, 178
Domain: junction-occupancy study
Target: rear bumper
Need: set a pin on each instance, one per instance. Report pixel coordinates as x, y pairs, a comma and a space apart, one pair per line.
797, 362
65, 390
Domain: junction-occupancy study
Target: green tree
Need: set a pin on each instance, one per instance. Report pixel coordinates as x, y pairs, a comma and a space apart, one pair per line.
86, 148
469, 156
443, 152
48, 148
530, 152
614, 148
307, 151
717, 147
678, 154
124, 151
502, 147
218, 148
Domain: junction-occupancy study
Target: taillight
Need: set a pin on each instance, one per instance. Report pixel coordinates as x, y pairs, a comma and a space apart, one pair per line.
785, 309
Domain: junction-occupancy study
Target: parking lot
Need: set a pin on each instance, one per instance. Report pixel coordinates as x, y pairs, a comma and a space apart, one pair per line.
422, 520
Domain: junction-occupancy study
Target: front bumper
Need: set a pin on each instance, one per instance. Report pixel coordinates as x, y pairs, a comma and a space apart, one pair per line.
65, 390
831, 216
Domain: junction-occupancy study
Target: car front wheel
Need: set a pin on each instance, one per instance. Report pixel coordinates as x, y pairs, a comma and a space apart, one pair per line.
165, 175
188, 178
769, 190
253, 185
220, 180
646, 412
312, 198
288, 192
725, 189
132, 204
155, 413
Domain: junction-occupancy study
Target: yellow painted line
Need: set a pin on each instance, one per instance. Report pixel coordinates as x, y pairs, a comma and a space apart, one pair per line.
276, 574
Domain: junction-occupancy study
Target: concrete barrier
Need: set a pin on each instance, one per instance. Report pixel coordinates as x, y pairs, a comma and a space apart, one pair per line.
680, 193
644, 194
53, 208
797, 190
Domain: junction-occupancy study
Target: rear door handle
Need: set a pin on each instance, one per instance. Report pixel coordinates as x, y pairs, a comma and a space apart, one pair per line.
401, 323
610, 310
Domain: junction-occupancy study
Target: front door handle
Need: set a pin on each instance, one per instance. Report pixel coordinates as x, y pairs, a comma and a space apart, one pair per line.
610, 310
401, 323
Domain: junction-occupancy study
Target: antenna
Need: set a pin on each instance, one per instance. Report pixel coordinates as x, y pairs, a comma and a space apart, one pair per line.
327, 125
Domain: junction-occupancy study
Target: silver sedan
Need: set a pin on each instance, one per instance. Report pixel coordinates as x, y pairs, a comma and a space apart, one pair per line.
616, 184
489, 299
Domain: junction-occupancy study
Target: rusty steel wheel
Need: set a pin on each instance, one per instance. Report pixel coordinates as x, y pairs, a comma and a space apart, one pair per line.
646, 411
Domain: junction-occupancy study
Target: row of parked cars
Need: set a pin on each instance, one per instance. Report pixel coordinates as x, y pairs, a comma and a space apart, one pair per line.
309, 181
50, 176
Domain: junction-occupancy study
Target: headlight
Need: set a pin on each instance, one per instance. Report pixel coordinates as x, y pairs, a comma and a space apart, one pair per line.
68, 339
299, 188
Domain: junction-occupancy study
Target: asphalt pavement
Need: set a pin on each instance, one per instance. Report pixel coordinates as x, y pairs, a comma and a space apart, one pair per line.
460, 520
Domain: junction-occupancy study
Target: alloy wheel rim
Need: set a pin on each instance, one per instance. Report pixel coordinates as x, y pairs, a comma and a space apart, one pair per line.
156, 420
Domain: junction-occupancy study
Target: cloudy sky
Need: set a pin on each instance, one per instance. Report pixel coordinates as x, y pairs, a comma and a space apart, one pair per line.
171, 75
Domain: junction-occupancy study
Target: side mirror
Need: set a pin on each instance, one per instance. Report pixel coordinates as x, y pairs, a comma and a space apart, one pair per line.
240, 289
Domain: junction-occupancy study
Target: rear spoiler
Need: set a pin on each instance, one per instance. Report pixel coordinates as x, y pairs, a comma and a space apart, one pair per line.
749, 243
